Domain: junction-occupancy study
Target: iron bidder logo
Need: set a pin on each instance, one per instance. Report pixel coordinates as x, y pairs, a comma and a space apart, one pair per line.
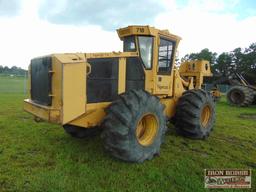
227, 178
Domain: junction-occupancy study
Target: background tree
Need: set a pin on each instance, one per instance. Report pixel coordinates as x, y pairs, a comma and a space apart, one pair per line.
223, 64
12, 71
242, 61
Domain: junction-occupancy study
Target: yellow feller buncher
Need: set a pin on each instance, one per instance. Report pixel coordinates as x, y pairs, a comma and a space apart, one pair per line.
130, 95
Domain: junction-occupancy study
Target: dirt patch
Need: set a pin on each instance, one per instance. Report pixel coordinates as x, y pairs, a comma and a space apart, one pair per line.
248, 116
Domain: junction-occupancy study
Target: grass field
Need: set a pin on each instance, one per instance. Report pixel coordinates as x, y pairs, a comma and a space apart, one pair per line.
10, 84
41, 157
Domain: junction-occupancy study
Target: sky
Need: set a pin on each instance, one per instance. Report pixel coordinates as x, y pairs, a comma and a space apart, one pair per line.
35, 28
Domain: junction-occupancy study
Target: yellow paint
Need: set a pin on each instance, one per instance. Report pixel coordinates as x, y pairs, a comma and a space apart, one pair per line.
121, 75
163, 85
145, 30
170, 104
149, 81
216, 93
56, 83
178, 87
93, 116
111, 54
73, 95
42, 112
206, 115
69, 73
197, 69
147, 129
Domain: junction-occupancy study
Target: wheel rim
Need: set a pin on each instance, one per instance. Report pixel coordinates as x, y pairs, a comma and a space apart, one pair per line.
206, 115
236, 97
147, 129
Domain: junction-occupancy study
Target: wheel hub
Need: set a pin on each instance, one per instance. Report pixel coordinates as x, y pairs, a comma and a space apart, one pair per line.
147, 129
205, 115
236, 97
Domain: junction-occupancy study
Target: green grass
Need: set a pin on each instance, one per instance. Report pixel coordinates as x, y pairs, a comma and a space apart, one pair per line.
13, 84
42, 157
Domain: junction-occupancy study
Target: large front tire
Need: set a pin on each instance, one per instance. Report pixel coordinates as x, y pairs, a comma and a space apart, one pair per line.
134, 126
195, 114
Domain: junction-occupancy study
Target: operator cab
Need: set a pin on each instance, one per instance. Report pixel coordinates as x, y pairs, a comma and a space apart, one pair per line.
143, 39
156, 50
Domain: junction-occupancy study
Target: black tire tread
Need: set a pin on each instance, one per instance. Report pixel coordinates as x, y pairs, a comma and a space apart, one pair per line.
120, 120
248, 96
187, 117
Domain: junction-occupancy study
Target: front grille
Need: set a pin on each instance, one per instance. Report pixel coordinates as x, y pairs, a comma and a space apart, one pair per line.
41, 80
102, 82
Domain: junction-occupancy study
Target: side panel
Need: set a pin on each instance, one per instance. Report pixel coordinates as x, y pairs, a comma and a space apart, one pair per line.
102, 82
73, 95
93, 116
135, 76
164, 84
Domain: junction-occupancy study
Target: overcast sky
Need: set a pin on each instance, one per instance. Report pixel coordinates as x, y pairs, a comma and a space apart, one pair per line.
30, 28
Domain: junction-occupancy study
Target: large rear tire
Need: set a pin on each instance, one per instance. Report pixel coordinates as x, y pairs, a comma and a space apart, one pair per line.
134, 126
80, 132
240, 96
195, 114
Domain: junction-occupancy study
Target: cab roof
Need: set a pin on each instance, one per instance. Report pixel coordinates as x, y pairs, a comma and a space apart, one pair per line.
145, 30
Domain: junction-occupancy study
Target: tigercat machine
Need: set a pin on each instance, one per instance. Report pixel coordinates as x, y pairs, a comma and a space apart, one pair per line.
240, 93
130, 95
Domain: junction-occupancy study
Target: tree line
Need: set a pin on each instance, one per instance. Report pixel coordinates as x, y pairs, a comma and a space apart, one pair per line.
242, 61
12, 71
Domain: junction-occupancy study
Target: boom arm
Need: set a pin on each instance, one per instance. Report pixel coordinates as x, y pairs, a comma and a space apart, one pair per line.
234, 79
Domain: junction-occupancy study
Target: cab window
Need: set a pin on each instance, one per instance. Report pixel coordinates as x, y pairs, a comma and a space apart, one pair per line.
165, 55
129, 44
146, 50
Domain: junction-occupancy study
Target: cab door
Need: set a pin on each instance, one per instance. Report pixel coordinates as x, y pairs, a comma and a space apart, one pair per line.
164, 79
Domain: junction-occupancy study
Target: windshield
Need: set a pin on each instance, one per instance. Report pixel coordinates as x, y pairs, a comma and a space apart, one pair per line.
129, 44
146, 46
